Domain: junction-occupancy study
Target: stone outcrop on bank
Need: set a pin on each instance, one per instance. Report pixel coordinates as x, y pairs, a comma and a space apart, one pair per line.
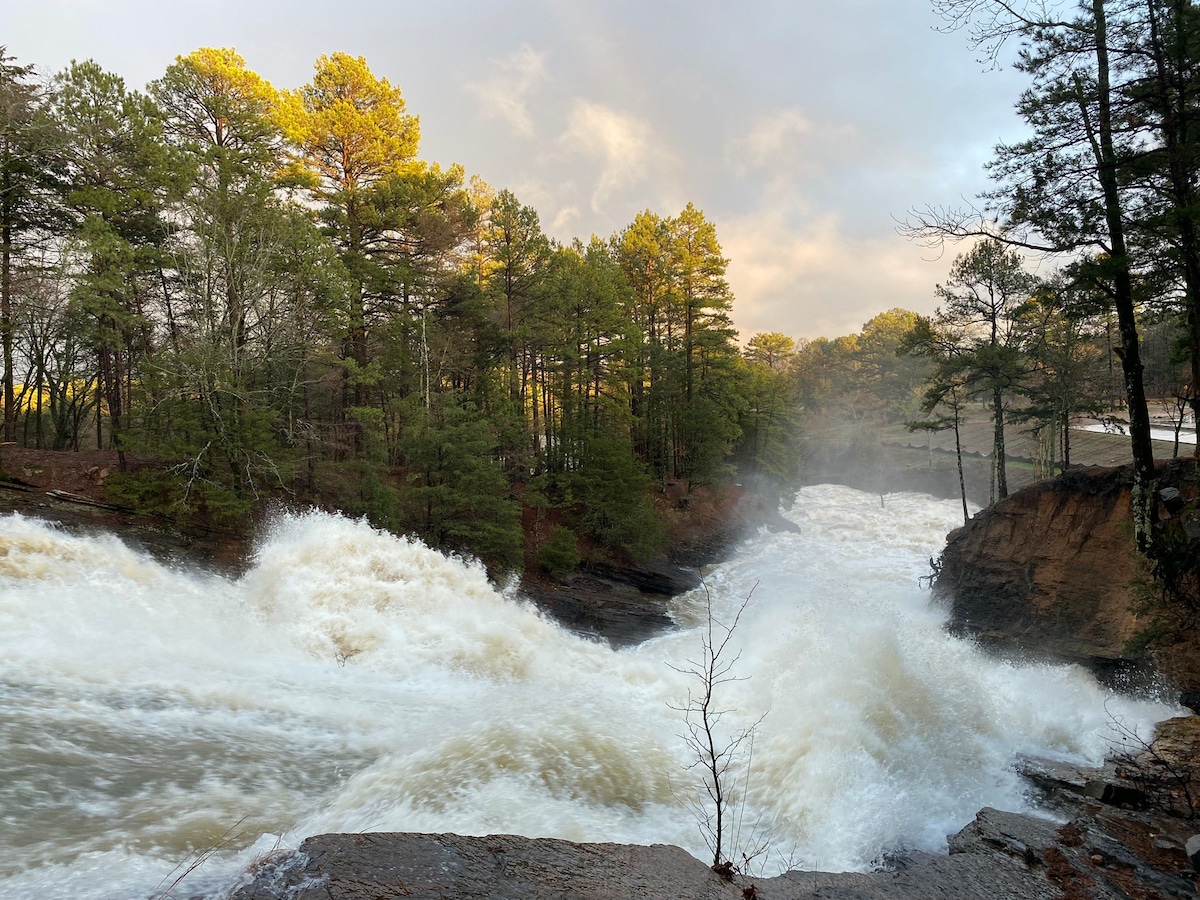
1047, 570
1051, 573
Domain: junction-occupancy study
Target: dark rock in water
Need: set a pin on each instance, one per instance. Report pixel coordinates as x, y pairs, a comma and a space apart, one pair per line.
659, 577
592, 605
622, 604
1056, 778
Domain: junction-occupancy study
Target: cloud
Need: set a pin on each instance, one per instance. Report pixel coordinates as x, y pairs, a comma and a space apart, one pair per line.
769, 136
620, 141
504, 95
564, 217
814, 281
790, 141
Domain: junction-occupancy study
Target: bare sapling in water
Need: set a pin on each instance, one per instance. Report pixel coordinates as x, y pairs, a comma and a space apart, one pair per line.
720, 753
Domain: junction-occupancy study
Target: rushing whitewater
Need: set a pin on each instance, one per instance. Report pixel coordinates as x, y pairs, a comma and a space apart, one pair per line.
158, 723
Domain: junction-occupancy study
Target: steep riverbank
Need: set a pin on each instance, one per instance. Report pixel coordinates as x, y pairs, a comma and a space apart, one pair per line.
1051, 573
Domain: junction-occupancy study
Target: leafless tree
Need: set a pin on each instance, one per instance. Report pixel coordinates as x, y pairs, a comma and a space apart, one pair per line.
719, 753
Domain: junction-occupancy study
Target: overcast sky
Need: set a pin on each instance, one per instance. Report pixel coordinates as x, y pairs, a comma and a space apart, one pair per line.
803, 129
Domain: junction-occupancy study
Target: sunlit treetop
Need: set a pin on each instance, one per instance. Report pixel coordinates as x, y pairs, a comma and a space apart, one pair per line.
771, 348
349, 127
210, 98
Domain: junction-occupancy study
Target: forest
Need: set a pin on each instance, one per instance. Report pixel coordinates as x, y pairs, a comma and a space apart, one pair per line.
270, 294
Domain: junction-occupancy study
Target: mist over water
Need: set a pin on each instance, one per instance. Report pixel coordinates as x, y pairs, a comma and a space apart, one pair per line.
355, 681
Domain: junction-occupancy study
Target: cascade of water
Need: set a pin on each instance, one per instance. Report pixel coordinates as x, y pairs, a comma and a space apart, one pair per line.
356, 681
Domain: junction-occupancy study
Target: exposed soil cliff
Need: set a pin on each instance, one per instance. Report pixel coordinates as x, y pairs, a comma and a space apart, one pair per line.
1051, 572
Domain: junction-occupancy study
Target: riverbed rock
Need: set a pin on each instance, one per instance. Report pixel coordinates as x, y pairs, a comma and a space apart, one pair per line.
505, 867
596, 605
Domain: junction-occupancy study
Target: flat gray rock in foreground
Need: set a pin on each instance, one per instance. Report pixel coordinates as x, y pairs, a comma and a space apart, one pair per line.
999, 856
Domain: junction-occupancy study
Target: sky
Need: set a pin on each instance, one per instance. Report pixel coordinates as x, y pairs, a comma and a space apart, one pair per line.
804, 130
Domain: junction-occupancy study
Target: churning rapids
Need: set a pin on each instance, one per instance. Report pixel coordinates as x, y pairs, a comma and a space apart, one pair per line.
356, 681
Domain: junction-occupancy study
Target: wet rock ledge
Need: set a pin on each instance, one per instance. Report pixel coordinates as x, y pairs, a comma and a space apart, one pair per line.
1107, 833
1091, 849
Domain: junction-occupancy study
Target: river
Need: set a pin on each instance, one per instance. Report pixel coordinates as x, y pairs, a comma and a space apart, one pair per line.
158, 723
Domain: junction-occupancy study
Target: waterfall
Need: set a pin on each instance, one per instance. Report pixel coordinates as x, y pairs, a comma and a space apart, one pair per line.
156, 720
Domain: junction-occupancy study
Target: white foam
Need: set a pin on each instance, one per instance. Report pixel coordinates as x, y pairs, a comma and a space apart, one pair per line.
356, 681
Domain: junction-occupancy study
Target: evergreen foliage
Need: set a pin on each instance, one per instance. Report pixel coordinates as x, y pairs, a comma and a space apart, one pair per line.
270, 293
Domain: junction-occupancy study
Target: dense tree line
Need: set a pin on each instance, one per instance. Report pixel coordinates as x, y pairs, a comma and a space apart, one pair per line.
273, 294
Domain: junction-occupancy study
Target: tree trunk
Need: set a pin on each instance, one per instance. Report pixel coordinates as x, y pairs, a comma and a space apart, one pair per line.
6, 316
962, 481
1144, 472
1175, 109
998, 444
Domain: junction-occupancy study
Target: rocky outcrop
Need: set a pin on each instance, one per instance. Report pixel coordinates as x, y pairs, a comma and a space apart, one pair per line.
1051, 573
1099, 852
1048, 570
1118, 831
507, 867
624, 606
